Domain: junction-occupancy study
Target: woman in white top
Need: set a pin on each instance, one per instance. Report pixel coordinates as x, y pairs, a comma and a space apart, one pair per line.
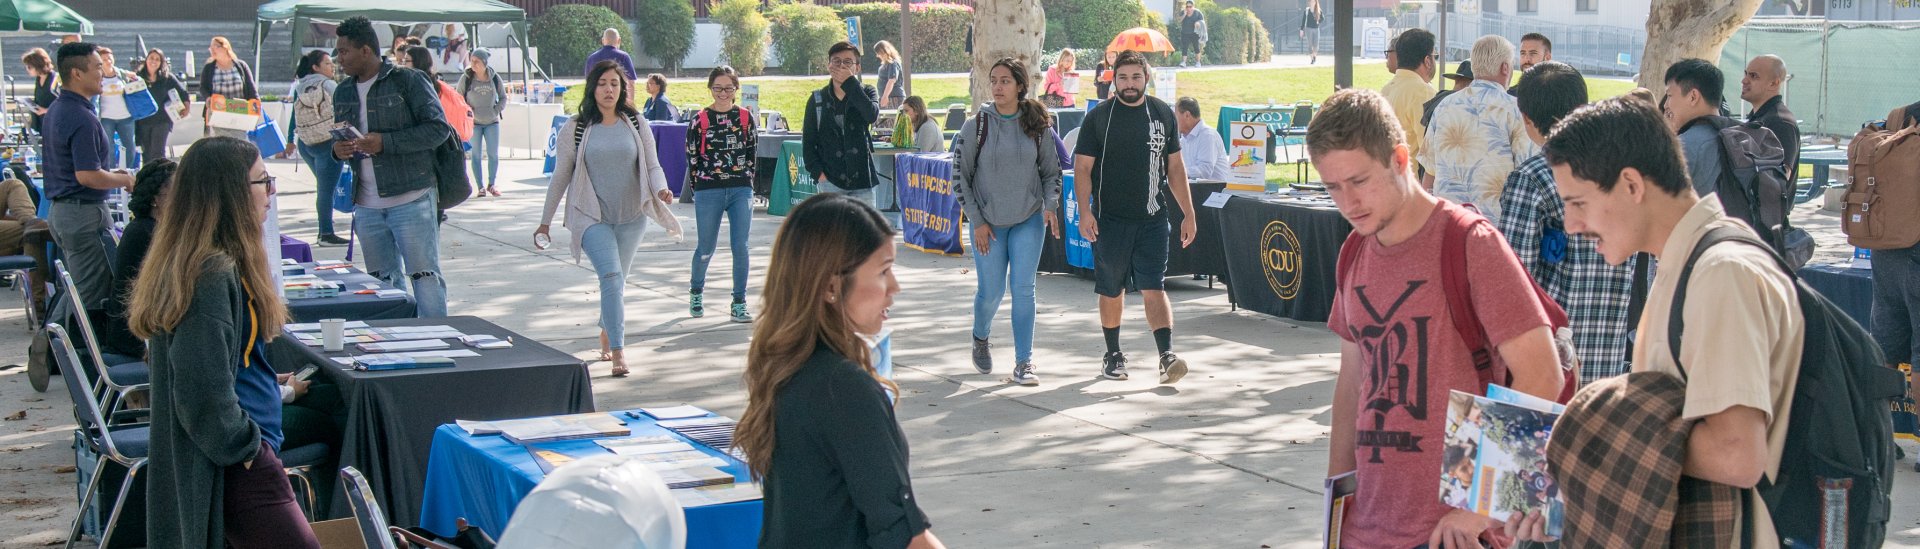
115, 117
609, 172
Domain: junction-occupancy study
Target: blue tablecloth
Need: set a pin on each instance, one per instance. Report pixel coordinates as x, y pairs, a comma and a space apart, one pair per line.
670, 141
930, 212
483, 478
348, 305
1849, 288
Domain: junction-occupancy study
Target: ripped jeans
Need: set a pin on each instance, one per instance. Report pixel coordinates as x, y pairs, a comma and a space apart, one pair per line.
610, 248
402, 245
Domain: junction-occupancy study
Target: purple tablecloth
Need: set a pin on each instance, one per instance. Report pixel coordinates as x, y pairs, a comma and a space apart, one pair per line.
670, 141
294, 249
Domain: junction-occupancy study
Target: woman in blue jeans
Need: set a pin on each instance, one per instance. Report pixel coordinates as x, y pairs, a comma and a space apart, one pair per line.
1006, 174
720, 143
608, 171
312, 133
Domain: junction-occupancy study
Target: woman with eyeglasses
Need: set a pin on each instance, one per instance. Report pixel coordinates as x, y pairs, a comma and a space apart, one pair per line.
608, 171
207, 304
720, 166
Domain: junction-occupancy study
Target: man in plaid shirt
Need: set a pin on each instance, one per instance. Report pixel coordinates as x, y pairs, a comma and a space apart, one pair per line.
1594, 293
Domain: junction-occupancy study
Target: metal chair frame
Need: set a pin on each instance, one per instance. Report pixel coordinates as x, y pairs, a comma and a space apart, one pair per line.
99, 436
104, 386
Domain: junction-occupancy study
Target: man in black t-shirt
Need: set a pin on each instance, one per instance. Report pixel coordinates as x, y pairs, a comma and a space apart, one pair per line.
1126, 163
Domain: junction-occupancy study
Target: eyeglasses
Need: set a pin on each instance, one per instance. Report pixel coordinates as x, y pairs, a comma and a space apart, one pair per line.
844, 62
269, 182
724, 89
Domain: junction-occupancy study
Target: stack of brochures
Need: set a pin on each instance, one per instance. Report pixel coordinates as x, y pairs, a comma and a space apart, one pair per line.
306, 286
715, 432
385, 362
556, 428
1495, 461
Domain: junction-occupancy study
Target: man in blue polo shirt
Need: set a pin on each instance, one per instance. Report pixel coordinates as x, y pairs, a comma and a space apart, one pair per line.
74, 147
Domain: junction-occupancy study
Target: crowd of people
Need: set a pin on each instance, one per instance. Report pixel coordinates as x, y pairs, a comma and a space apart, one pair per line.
1529, 183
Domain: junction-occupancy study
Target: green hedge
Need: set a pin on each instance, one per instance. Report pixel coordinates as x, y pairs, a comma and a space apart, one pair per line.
1234, 36
669, 34
566, 35
939, 34
743, 36
1094, 23
801, 35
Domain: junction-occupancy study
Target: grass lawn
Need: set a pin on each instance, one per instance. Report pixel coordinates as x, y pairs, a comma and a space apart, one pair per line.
1212, 88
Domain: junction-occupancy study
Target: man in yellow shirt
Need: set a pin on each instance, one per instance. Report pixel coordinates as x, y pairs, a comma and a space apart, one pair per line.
1411, 86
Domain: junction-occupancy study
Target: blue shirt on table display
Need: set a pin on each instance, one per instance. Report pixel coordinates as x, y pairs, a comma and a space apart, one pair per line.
74, 142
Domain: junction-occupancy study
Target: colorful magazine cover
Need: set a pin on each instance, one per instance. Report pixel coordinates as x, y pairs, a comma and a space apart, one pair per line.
1495, 460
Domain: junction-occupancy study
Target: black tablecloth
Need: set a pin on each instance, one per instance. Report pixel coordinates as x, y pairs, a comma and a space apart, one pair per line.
391, 415
1284, 256
1204, 257
1851, 289
348, 305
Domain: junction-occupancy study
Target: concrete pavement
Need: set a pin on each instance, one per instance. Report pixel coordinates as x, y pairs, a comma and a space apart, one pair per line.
1233, 456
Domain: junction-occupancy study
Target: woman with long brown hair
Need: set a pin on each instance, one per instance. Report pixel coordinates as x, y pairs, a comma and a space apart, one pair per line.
819, 431
207, 304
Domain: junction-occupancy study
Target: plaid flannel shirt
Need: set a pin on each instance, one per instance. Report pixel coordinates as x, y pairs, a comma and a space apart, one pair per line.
1596, 295
1618, 453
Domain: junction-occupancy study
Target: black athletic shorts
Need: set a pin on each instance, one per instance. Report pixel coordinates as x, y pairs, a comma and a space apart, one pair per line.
1135, 250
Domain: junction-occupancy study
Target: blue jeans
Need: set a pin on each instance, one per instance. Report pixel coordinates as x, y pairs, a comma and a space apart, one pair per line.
1013, 257
489, 134
326, 175
122, 137
402, 243
863, 195
736, 203
610, 248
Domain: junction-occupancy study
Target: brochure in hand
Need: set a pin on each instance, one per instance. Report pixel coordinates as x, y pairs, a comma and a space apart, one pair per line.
1495, 462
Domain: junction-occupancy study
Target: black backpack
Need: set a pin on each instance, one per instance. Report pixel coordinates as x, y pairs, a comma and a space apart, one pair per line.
1838, 466
1755, 187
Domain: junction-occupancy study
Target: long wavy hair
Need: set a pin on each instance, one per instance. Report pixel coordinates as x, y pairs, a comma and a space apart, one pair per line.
818, 248
209, 214
1034, 117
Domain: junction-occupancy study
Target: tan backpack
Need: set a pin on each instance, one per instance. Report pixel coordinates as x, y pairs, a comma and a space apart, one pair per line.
1883, 194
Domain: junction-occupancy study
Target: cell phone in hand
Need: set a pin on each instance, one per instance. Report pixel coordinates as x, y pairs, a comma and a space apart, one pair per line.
306, 372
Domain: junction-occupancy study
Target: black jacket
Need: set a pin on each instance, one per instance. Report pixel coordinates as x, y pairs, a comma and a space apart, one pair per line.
404, 108
246, 75
1773, 115
842, 151
164, 88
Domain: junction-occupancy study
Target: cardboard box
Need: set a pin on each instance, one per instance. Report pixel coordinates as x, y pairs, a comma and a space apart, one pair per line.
339, 534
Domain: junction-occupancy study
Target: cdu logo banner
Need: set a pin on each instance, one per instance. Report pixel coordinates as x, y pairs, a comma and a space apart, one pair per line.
1281, 259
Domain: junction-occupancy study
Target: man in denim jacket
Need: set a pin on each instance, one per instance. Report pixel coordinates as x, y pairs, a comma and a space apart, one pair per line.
395, 211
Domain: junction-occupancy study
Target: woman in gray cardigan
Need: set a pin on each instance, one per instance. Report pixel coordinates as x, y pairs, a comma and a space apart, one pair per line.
206, 302
1006, 174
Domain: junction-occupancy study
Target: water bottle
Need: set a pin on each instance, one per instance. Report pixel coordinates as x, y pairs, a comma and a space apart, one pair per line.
542, 241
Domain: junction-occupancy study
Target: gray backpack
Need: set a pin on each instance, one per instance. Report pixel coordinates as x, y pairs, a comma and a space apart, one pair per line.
1755, 187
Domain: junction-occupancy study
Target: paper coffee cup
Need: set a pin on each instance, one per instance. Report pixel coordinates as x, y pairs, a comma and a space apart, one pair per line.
333, 334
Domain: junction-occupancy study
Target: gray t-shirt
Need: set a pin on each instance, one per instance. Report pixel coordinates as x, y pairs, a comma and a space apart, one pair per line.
484, 98
1702, 146
611, 157
369, 189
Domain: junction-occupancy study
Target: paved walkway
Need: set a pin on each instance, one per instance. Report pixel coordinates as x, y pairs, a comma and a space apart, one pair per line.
1231, 457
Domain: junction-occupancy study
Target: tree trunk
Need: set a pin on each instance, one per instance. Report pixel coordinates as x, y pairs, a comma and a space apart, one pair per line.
1682, 29
1004, 28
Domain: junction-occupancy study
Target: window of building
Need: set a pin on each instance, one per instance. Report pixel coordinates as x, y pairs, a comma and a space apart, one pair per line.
1586, 6
1526, 6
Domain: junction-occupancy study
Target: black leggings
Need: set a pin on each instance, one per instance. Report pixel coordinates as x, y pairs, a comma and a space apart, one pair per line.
152, 133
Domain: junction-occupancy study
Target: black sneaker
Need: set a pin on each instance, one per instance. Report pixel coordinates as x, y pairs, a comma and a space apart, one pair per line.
332, 240
1114, 367
982, 356
1172, 368
1023, 374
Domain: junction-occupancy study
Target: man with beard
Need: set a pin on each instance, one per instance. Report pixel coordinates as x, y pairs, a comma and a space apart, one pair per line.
1128, 160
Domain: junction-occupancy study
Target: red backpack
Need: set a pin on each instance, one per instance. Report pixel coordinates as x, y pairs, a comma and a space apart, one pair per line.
1458, 286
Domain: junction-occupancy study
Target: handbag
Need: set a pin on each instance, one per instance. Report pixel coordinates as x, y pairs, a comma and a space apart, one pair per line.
343, 193
140, 102
267, 137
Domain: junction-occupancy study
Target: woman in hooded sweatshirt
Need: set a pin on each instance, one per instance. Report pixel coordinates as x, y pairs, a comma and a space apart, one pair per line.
608, 171
1007, 177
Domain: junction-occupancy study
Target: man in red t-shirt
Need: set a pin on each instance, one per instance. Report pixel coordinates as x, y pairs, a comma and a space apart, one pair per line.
1400, 353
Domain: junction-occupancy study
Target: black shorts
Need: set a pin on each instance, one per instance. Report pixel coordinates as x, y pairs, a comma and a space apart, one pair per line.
1135, 250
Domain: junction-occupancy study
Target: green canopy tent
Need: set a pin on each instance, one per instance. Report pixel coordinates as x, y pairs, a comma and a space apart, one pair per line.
471, 13
35, 18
